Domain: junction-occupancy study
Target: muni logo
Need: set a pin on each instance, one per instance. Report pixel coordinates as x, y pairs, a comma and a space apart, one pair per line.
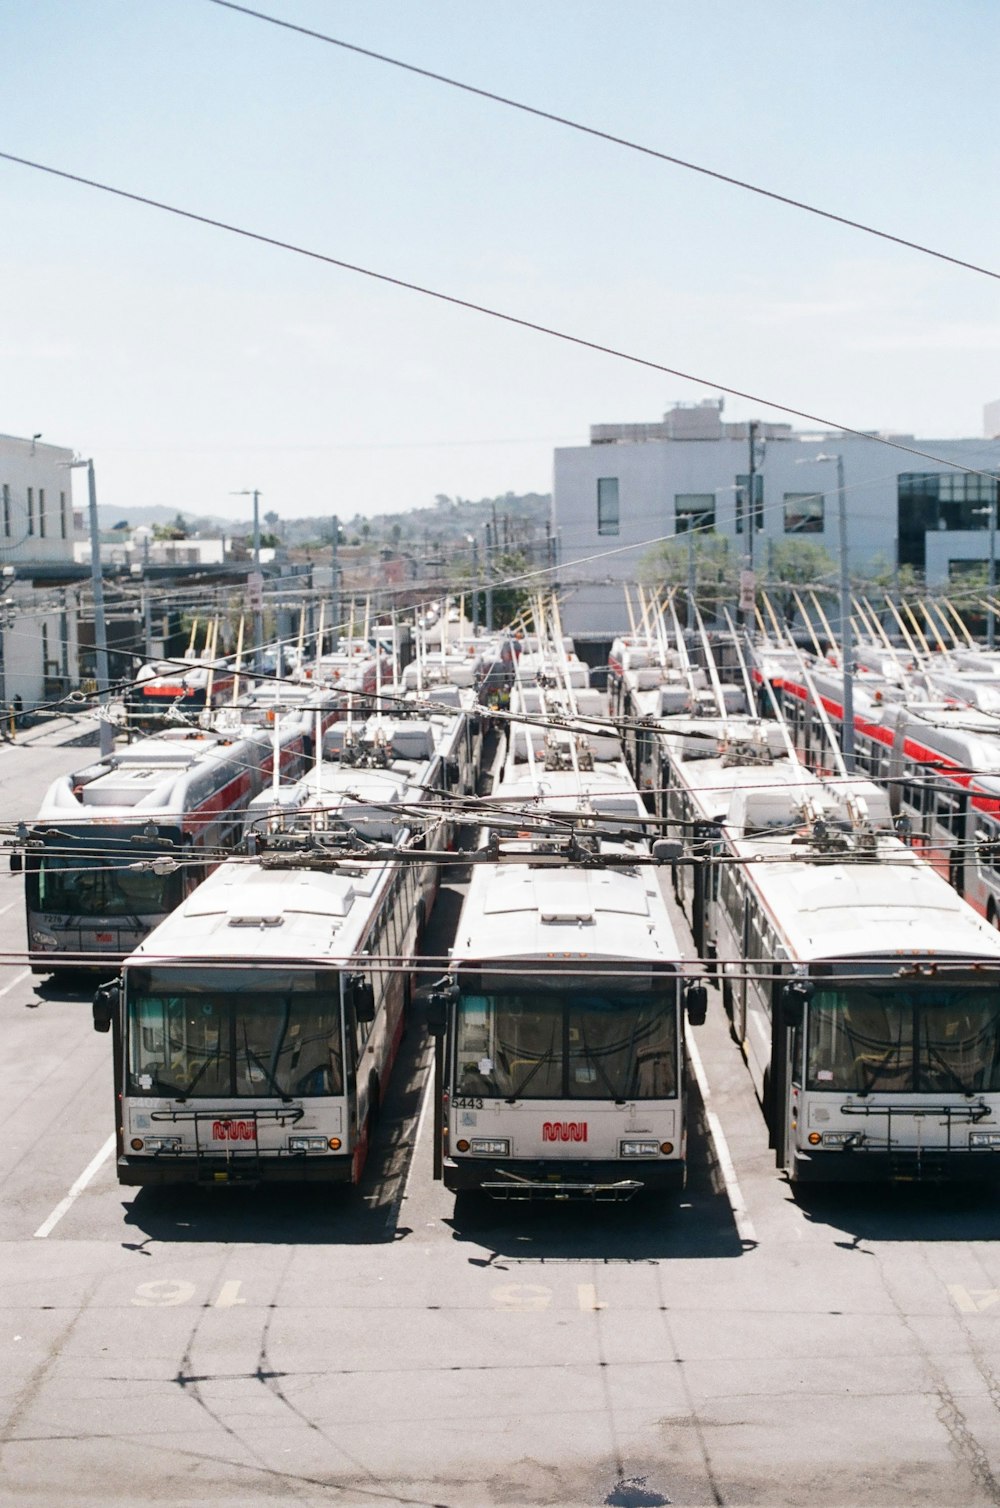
232, 1131
564, 1131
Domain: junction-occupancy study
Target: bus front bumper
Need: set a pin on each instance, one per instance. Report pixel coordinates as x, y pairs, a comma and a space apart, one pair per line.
221, 1172
905, 1165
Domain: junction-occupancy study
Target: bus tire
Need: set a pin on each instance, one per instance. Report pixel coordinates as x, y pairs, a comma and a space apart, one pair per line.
421, 915
992, 915
727, 998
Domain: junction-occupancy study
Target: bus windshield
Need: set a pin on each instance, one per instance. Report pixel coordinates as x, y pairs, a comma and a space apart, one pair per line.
101, 885
930, 1038
248, 1034
573, 1046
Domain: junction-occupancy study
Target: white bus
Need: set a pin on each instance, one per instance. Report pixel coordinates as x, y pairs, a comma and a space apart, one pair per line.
864, 992
119, 843
564, 1059
255, 1029
563, 1072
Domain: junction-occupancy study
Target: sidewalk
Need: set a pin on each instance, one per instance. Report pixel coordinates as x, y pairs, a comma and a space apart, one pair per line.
79, 727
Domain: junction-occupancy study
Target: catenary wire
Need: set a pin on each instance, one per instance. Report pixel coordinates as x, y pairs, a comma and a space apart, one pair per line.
607, 136
461, 303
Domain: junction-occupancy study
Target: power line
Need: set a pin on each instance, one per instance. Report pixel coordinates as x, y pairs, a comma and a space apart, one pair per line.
510, 319
608, 136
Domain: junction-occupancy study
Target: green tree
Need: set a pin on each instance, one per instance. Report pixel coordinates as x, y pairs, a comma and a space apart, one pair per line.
716, 568
794, 563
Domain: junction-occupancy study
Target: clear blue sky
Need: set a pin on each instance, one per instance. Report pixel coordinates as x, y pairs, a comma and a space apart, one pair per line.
190, 363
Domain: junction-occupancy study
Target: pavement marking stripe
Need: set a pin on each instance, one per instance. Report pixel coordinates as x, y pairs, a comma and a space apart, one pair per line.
18, 979
88, 1173
5, 909
744, 1225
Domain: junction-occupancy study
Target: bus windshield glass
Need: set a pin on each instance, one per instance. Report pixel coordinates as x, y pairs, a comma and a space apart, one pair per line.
253, 1034
567, 1046
101, 885
929, 1038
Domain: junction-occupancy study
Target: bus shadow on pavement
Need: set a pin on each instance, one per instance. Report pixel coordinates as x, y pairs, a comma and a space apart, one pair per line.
650, 1227
304, 1214
903, 1211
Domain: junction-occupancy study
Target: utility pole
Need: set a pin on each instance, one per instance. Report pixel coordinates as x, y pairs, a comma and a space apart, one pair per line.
846, 633
335, 580
475, 582
751, 508
490, 536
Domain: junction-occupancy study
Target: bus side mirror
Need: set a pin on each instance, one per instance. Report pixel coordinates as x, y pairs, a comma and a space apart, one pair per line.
106, 1002
362, 994
438, 1003
794, 999
438, 1000
16, 863
696, 1004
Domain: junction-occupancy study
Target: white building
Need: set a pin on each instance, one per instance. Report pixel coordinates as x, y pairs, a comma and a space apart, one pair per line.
637, 484
36, 502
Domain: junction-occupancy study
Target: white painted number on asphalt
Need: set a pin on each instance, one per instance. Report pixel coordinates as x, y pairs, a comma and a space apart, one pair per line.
522, 1296
148, 1295
172, 1291
586, 1297
973, 1300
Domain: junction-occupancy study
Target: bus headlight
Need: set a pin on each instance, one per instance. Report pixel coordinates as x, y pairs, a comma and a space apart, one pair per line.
638, 1148
42, 939
307, 1144
984, 1138
491, 1146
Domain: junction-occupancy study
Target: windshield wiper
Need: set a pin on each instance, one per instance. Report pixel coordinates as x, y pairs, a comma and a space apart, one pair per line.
599, 1069
198, 1077
252, 1057
936, 1057
519, 1091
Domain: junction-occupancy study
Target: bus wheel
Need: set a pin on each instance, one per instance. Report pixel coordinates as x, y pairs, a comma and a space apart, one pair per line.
727, 998
421, 914
992, 915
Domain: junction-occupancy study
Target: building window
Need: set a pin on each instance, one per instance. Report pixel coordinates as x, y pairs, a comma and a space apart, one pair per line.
803, 512
742, 493
6, 511
41, 512
694, 510
63, 525
929, 500
607, 505
31, 510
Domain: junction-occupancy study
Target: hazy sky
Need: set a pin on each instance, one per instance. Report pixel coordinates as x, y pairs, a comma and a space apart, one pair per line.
190, 363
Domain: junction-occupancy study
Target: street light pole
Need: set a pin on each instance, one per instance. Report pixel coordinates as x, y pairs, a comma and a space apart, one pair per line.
106, 732
846, 632
990, 613
258, 612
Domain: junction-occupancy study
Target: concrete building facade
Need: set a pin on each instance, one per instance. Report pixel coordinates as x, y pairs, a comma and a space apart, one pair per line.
635, 485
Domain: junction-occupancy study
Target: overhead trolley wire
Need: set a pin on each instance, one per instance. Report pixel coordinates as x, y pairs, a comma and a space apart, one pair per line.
462, 303
608, 136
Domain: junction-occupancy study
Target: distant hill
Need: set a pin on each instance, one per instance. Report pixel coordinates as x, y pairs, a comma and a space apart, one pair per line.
519, 517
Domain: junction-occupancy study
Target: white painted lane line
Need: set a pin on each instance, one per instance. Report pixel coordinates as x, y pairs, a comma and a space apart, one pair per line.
744, 1225
92, 1167
424, 1109
18, 979
5, 909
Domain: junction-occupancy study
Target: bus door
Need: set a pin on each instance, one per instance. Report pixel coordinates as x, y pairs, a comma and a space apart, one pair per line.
784, 1074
